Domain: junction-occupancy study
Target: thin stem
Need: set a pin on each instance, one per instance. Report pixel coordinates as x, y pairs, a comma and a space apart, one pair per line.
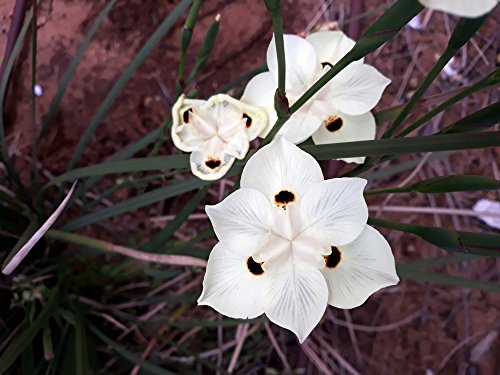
179, 260
491, 80
186, 36
440, 64
280, 48
34, 141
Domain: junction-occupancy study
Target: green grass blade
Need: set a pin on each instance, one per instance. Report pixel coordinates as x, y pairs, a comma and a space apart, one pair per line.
146, 199
158, 241
491, 80
156, 163
456, 281
444, 184
445, 142
479, 120
449, 240
146, 365
82, 358
54, 104
464, 30
437, 262
23, 339
165, 26
3, 89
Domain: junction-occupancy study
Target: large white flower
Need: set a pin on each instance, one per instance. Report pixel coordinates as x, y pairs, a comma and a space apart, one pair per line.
291, 243
462, 8
216, 132
339, 112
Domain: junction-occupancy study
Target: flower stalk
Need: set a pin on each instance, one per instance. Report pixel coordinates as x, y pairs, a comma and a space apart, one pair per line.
186, 36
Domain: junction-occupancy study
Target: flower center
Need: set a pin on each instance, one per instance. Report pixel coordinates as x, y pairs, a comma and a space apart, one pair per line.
185, 115
333, 260
248, 120
254, 267
283, 198
213, 163
333, 124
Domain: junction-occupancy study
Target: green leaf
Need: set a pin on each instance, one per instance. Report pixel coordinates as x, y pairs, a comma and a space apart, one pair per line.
25, 338
158, 241
479, 120
457, 281
441, 142
464, 30
449, 240
172, 190
493, 79
4, 80
157, 163
165, 26
82, 357
205, 50
444, 184
54, 104
146, 365
438, 262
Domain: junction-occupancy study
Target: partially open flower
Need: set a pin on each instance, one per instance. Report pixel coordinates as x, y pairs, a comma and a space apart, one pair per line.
291, 243
216, 132
462, 8
350, 95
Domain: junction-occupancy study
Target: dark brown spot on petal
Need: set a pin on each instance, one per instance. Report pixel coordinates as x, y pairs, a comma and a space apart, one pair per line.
283, 198
325, 64
333, 260
248, 119
333, 123
213, 163
185, 115
254, 267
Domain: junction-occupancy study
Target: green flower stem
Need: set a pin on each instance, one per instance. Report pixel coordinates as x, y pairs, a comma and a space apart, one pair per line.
34, 141
186, 36
491, 80
274, 8
464, 30
205, 50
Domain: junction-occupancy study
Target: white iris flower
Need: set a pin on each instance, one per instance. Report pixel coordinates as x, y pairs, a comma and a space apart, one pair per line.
291, 243
216, 132
340, 111
462, 8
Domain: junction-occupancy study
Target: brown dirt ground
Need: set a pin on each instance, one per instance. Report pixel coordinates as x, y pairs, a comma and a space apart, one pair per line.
448, 321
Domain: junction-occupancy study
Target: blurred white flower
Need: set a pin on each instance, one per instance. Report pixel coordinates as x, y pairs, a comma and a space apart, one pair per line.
462, 8
216, 132
349, 96
291, 243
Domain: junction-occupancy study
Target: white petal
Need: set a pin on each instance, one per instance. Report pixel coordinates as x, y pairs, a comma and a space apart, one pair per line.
301, 125
281, 166
229, 287
185, 137
357, 89
330, 46
244, 216
462, 8
253, 119
302, 65
296, 299
354, 129
366, 265
259, 92
337, 208
209, 168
